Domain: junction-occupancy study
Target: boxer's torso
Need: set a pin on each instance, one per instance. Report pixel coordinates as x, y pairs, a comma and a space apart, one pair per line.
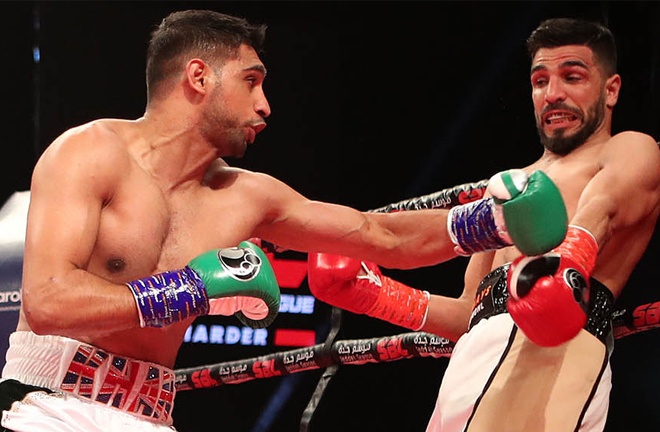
571, 173
148, 226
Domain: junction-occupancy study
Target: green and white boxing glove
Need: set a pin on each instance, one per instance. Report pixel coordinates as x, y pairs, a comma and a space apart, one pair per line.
232, 281
527, 211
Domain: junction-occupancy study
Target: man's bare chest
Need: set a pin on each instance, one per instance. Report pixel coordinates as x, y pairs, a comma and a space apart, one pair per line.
151, 235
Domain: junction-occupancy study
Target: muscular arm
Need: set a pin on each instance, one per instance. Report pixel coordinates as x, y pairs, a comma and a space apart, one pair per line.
70, 186
401, 240
620, 205
625, 191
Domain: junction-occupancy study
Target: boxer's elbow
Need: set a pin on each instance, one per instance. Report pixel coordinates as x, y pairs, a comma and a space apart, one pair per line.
42, 311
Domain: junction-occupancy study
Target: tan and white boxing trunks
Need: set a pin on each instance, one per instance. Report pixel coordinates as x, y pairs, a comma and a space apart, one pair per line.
498, 380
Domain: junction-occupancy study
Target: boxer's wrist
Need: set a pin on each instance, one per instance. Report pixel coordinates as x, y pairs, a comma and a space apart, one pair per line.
525, 211
397, 303
581, 246
473, 227
169, 297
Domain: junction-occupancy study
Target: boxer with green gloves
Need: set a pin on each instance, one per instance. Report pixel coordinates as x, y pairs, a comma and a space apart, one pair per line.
232, 281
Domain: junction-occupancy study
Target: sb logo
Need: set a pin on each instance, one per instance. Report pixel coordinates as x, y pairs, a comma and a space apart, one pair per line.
646, 314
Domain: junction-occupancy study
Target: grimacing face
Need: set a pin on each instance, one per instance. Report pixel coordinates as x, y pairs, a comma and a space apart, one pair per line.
569, 95
562, 143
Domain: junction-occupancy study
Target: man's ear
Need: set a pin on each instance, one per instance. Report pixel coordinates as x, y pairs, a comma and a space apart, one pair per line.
612, 88
196, 74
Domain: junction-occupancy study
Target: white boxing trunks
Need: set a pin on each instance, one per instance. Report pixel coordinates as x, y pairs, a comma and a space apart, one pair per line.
497, 380
57, 384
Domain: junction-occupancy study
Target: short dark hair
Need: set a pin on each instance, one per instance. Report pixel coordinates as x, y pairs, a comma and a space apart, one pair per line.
557, 32
204, 33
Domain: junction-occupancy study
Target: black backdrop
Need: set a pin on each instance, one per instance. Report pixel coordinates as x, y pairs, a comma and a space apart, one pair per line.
372, 102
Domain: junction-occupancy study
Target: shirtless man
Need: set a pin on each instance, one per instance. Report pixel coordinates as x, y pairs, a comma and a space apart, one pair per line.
136, 227
534, 333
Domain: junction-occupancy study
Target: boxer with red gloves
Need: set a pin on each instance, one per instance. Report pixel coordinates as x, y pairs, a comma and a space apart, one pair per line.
549, 294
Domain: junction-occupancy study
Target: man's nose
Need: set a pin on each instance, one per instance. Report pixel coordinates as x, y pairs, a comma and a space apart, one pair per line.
555, 92
262, 106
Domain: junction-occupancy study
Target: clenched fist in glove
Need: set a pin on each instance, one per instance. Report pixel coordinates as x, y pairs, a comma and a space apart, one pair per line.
525, 210
549, 294
360, 287
232, 281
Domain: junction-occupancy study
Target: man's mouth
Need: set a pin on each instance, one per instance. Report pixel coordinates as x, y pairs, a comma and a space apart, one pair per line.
562, 118
250, 136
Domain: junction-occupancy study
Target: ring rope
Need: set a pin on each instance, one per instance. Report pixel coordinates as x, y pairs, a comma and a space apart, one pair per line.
342, 352
361, 351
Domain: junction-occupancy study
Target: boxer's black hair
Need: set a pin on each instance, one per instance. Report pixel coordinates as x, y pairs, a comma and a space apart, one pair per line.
556, 32
205, 34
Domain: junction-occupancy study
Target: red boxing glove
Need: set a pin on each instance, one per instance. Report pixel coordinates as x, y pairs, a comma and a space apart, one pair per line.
360, 287
549, 294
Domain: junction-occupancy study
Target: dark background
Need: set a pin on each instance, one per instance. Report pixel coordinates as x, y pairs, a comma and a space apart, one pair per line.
373, 102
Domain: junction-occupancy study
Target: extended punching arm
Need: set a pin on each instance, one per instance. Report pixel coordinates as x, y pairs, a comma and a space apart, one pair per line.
527, 211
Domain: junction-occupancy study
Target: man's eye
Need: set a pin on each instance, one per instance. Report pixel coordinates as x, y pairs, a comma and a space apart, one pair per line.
539, 82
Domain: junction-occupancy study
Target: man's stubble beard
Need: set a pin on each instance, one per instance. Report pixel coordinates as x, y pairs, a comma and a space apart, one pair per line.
222, 130
561, 144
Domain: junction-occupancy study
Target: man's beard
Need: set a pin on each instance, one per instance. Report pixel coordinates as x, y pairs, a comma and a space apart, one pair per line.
223, 131
563, 145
